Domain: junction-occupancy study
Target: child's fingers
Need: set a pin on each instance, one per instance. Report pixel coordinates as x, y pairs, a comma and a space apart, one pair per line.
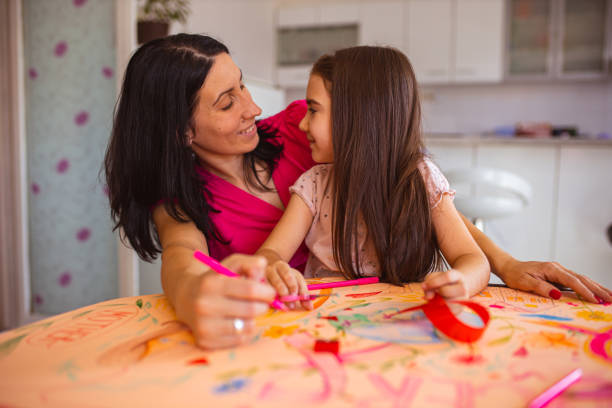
303, 290
436, 280
454, 290
290, 280
277, 282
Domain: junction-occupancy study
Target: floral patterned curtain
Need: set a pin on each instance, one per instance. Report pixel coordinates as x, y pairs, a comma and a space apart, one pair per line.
70, 94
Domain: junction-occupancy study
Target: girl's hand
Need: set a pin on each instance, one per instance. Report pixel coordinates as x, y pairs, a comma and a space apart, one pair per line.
288, 281
449, 284
221, 310
535, 277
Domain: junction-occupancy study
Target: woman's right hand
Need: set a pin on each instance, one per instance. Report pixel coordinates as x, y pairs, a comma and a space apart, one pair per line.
221, 310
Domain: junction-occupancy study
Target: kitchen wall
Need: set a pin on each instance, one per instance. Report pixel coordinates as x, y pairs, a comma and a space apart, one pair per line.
479, 108
248, 28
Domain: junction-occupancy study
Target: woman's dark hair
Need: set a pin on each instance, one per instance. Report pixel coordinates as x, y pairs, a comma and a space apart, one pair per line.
148, 159
376, 136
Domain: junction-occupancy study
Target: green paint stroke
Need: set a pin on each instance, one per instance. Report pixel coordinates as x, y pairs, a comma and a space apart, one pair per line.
70, 369
139, 303
82, 313
6, 347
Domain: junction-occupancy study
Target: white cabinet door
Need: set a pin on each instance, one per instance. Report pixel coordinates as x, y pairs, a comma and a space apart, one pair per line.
452, 156
585, 212
297, 16
479, 40
528, 234
382, 23
428, 39
339, 13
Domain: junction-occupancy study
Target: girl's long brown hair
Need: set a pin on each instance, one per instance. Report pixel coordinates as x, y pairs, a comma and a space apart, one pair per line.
376, 134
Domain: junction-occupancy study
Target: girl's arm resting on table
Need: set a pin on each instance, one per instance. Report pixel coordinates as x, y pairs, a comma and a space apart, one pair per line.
470, 268
535, 276
203, 299
281, 245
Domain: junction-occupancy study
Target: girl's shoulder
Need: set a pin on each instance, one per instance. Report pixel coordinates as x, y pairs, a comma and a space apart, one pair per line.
435, 182
317, 174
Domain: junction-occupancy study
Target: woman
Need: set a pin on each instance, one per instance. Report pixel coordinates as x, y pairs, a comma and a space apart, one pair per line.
185, 156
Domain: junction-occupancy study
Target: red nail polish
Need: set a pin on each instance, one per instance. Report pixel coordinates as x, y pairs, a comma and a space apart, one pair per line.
600, 300
555, 294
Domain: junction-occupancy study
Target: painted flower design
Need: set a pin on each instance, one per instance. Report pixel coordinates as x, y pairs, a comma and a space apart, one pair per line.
107, 72
35, 188
32, 73
83, 234
81, 118
60, 49
596, 315
64, 279
62, 166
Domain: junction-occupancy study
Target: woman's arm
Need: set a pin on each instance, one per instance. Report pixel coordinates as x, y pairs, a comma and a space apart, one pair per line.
470, 268
280, 246
535, 276
203, 299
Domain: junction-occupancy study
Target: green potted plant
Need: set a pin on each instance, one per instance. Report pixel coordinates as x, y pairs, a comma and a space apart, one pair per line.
155, 16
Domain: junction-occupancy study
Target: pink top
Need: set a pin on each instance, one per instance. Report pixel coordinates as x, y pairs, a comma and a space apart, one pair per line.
245, 220
311, 187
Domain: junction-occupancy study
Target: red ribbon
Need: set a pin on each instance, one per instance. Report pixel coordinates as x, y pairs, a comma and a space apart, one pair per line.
443, 319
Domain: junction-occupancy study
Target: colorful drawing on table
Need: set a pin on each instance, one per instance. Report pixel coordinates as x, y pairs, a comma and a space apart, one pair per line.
343, 353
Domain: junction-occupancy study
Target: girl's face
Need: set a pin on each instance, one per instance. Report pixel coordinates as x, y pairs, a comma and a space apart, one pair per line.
317, 122
224, 118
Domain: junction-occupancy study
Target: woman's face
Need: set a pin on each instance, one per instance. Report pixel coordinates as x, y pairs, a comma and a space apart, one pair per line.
224, 118
317, 122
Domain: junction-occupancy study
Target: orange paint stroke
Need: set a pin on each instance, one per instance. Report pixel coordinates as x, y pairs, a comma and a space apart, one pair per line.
362, 295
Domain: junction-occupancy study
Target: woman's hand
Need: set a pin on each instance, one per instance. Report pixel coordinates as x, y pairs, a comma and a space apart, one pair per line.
288, 281
450, 284
221, 310
535, 277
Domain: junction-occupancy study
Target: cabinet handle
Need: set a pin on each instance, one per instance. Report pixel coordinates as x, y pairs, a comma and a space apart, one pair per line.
466, 71
610, 233
436, 72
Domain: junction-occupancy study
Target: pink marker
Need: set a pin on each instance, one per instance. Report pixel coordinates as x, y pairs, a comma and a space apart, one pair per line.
295, 298
553, 392
362, 281
217, 267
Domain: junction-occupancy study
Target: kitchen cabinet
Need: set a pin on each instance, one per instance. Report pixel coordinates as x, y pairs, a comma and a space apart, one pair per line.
585, 211
382, 23
571, 206
553, 39
428, 39
297, 16
479, 41
455, 40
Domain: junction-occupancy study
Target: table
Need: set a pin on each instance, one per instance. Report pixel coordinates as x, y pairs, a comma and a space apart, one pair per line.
133, 352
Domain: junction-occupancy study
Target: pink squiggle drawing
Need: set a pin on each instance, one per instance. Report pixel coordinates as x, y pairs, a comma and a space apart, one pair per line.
348, 356
329, 367
404, 395
598, 342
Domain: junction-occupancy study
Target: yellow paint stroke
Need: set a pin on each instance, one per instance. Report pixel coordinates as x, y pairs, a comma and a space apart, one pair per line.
485, 294
596, 315
277, 317
277, 331
546, 339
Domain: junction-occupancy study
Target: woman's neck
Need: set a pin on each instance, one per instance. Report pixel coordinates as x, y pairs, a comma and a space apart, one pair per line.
229, 168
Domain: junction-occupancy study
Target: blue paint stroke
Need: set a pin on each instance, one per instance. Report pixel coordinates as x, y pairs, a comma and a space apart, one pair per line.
548, 317
231, 386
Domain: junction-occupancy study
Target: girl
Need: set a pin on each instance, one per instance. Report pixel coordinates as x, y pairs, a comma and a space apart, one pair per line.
382, 208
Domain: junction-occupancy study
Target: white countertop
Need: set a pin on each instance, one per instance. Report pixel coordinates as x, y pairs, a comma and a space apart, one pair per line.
490, 139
